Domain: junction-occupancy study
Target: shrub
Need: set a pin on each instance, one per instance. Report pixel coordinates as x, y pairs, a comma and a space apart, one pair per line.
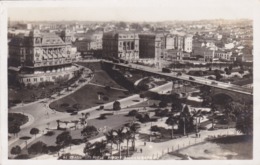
53, 149
37, 148
102, 117
76, 141
101, 107
22, 156
49, 133
132, 113
64, 105
155, 128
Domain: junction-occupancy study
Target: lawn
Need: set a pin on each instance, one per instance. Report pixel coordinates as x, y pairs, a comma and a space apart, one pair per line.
17, 119
100, 76
86, 97
112, 122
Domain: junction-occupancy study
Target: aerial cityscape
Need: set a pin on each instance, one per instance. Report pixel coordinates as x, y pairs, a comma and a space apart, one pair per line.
130, 90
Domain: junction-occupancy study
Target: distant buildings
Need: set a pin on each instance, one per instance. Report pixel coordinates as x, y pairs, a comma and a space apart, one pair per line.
41, 57
89, 45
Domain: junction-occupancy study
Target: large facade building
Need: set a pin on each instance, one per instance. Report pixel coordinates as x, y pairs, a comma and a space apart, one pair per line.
151, 47
124, 45
42, 56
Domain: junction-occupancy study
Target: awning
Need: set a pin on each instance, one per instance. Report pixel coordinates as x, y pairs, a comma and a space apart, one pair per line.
50, 56
54, 56
45, 57
59, 55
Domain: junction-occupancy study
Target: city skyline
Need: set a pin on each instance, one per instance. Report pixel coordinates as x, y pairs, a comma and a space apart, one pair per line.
119, 11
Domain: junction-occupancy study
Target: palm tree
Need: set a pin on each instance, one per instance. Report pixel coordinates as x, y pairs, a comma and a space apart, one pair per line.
184, 117
128, 137
134, 128
119, 137
197, 115
110, 139
172, 121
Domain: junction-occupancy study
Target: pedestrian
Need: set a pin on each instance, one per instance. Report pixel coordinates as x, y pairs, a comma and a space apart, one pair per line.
144, 143
199, 135
196, 135
141, 150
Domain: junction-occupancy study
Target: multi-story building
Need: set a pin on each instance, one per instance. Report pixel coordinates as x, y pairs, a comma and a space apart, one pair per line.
42, 57
169, 39
179, 42
223, 55
151, 47
187, 43
121, 44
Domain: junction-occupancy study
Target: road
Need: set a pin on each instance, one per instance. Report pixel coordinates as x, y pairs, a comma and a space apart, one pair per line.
43, 116
198, 80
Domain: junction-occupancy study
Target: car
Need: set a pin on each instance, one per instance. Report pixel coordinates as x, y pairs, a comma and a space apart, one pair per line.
179, 74
191, 78
214, 83
166, 70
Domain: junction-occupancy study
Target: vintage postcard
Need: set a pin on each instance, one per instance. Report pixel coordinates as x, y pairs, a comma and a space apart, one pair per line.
129, 80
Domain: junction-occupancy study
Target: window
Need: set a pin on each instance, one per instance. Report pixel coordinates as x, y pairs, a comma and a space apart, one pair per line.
35, 79
28, 80
41, 79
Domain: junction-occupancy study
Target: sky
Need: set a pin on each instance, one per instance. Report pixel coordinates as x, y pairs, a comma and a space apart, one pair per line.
131, 10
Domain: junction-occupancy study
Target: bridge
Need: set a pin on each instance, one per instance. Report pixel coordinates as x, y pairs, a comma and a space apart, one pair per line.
234, 91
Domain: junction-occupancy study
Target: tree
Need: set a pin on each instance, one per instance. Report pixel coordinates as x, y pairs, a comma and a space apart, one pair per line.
116, 106
134, 128
244, 122
184, 119
162, 104
176, 106
99, 149
63, 139
110, 139
119, 138
172, 121
16, 150
89, 131
218, 76
37, 148
229, 113
241, 71
128, 137
87, 148
14, 129
34, 131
